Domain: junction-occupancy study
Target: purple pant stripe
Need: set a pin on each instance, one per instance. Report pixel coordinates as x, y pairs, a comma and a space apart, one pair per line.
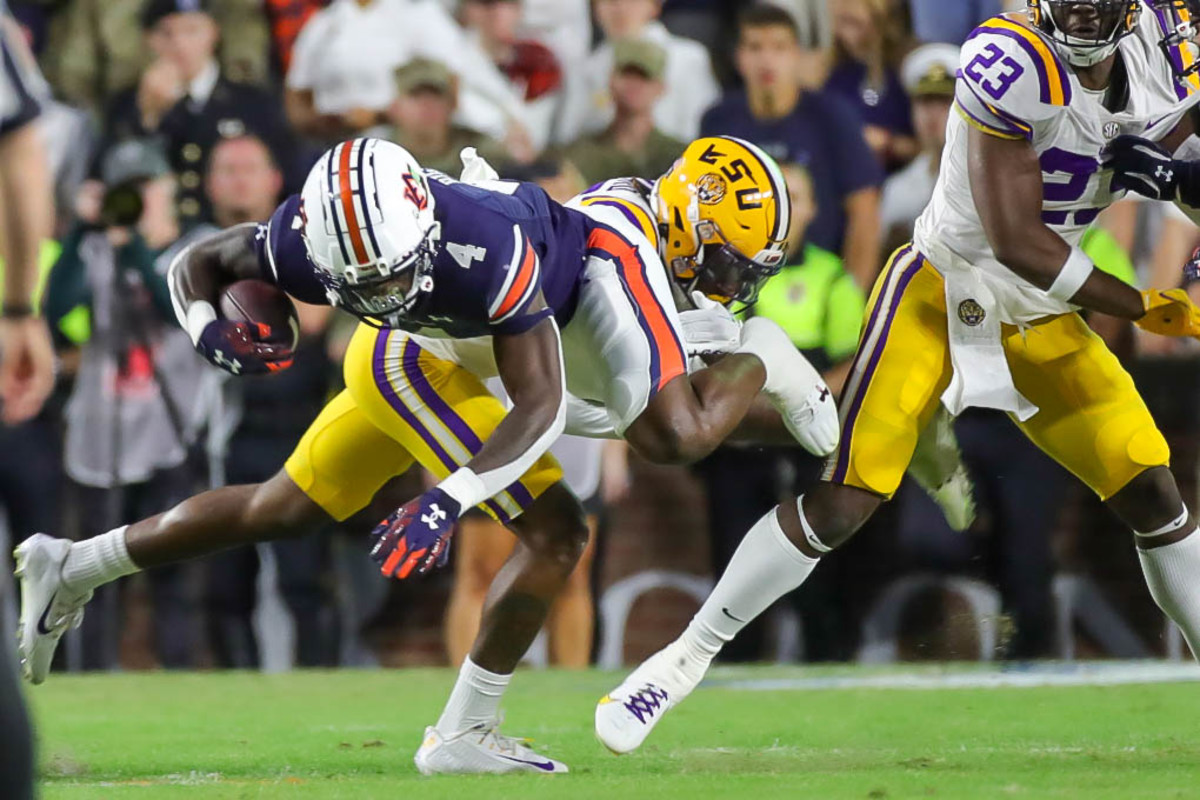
870, 326
843, 463
450, 418
410, 418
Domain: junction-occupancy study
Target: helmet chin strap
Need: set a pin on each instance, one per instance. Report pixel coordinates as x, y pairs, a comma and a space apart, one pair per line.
1079, 55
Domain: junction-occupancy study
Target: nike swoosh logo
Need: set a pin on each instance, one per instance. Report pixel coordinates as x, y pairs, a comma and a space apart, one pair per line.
548, 766
41, 623
725, 611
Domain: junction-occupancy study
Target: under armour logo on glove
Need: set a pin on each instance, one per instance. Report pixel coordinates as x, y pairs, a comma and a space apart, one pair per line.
240, 348
1142, 166
402, 546
434, 516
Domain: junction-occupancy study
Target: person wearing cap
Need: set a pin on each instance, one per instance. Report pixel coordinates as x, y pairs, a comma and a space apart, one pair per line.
928, 77
99, 49
689, 84
340, 83
421, 118
632, 144
184, 99
136, 403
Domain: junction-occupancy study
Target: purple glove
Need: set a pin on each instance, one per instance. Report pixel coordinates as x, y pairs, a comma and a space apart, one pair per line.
416, 535
241, 348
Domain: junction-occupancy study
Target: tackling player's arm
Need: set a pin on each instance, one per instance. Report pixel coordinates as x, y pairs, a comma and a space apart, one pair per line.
1006, 184
196, 278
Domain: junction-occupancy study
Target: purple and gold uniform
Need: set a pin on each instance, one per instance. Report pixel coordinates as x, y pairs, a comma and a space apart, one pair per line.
418, 394
947, 322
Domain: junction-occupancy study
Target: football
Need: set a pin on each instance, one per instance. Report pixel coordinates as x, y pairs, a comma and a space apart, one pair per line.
261, 303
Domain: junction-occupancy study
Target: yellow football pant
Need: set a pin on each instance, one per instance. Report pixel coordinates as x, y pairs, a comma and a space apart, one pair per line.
1091, 418
401, 404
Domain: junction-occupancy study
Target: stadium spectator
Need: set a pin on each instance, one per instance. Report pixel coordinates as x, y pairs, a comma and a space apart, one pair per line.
951, 23
689, 86
26, 359
819, 131
421, 119
96, 48
631, 145
820, 307
185, 100
264, 417
928, 75
868, 46
340, 80
287, 18
138, 397
535, 79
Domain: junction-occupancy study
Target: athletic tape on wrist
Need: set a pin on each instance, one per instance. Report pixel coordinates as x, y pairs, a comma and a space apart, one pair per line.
809, 535
465, 487
1170, 527
199, 314
1074, 273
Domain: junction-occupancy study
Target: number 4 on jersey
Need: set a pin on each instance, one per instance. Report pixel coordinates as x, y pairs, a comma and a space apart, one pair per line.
466, 254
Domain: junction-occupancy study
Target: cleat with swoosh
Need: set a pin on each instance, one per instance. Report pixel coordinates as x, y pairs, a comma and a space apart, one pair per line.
480, 749
48, 608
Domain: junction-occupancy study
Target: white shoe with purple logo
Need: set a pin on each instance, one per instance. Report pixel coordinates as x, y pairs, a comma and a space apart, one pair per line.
626, 715
480, 749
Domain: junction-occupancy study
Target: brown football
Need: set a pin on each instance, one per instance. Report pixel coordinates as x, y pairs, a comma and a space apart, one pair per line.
261, 303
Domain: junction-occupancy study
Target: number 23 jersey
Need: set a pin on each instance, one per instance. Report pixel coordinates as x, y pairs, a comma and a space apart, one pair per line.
1013, 84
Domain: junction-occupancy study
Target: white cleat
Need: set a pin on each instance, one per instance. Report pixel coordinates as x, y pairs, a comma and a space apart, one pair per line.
48, 608
478, 750
626, 715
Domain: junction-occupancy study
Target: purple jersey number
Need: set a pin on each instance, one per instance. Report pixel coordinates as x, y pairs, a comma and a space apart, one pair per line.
1077, 170
994, 71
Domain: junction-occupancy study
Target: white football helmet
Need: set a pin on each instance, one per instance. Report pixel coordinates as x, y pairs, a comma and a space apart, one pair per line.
369, 228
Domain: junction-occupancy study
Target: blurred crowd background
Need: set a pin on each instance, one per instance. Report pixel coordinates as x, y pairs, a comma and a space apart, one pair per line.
171, 118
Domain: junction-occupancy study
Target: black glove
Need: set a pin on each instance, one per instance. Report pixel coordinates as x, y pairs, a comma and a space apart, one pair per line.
1142, 166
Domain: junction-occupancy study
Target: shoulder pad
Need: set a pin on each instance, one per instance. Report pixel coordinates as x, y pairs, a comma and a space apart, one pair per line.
1011, 75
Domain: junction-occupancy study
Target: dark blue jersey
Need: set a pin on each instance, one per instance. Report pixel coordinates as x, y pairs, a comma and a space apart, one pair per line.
500, 248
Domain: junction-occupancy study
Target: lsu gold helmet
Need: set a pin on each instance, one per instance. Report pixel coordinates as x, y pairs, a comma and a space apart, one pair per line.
723, 214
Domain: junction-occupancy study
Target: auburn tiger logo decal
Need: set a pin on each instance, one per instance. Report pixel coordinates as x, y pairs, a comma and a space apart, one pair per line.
414, 190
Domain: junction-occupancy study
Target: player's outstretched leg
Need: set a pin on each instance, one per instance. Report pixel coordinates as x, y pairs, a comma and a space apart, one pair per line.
552, 535
1168, 546
57, 576
775, 557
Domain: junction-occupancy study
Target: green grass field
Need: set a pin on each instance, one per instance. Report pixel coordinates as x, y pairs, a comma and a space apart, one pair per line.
352, 735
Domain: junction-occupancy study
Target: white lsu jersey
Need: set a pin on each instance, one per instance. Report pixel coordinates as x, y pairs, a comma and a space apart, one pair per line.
1012, 83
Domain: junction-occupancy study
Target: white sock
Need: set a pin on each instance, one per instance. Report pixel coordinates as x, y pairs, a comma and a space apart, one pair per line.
97, 561
1173, 575
765, 567
474, 699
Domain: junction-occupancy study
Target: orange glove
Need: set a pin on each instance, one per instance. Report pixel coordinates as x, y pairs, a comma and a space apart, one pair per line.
1169, 313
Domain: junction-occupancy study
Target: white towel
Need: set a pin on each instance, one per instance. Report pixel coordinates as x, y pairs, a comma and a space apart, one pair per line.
476, 170
982, 378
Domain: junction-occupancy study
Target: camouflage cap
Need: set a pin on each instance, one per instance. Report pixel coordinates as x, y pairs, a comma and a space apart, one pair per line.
424, 73
644, 56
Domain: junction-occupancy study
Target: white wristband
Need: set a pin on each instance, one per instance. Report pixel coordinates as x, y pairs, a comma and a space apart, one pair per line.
465, 487
1074, 273
199, 314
